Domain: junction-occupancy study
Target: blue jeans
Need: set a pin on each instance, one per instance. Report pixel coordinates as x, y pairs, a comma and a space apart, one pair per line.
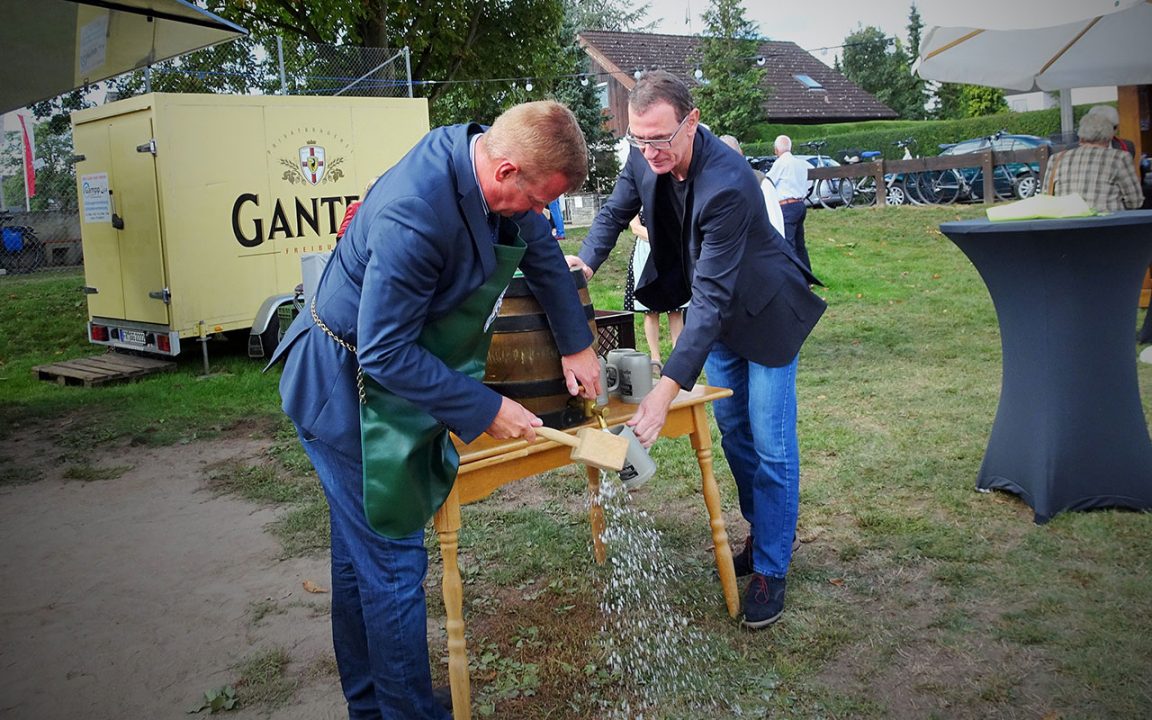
758, 429
379, 617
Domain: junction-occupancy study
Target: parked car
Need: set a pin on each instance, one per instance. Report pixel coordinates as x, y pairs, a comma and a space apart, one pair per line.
762, 163
1011, 180
837, 192
833, 191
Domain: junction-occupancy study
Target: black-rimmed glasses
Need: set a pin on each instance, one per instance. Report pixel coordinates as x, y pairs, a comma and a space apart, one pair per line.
663, 144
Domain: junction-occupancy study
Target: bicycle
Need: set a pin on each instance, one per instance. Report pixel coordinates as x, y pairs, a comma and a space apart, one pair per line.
828, 192
903, 189
1010, 181
864, 187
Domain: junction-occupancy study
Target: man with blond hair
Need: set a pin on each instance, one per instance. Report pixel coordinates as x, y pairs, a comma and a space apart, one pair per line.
389, 358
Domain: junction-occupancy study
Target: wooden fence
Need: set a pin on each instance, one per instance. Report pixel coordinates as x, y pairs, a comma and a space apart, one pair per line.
987, 160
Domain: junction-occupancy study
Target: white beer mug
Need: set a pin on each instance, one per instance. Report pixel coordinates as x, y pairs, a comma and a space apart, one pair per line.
639, 467
609, 382
636, 378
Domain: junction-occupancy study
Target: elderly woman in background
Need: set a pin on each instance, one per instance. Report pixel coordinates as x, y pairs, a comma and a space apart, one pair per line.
1113, 117
1103, 176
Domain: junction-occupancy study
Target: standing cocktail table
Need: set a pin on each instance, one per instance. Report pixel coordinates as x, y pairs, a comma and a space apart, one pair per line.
1069, 432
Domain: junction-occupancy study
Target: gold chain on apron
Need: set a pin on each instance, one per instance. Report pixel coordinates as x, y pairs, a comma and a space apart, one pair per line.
342, 343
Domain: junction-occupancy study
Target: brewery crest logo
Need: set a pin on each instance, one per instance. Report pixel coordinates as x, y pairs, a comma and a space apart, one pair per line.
311, 164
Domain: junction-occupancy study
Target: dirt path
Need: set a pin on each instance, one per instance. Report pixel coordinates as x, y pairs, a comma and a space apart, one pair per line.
128, 598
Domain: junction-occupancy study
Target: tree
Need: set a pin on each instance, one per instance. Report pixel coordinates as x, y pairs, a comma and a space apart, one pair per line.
879, 65
949, 101
611, 15
731, 98
956, 100
918, 93
578, 90
576, 87
915, 26
457, 47
980, 100
242, 66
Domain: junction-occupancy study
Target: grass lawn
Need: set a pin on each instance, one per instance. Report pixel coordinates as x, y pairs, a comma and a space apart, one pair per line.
913, 595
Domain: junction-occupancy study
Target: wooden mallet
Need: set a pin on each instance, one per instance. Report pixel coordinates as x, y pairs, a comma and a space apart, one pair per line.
591, 446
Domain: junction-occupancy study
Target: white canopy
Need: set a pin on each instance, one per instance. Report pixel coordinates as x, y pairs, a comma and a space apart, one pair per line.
1019, 46
48, 47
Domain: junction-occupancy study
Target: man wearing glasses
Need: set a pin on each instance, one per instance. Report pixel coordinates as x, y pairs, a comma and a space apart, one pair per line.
751, 309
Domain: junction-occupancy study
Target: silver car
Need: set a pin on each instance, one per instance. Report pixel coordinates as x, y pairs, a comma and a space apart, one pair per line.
832, 192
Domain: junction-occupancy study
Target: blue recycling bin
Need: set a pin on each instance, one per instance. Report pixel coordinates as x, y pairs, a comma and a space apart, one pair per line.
13, 239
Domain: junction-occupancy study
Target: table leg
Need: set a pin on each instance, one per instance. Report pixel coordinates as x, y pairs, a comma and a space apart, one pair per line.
596, 515
702, 444
447, 524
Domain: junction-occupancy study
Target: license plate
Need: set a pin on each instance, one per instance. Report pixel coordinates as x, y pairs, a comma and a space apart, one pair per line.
135, 337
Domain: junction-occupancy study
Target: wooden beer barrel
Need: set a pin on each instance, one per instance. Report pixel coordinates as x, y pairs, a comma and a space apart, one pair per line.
524, 363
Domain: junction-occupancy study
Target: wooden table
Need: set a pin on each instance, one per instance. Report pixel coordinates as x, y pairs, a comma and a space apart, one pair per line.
486, 464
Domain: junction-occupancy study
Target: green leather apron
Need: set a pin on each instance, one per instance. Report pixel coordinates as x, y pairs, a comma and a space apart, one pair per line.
410, 462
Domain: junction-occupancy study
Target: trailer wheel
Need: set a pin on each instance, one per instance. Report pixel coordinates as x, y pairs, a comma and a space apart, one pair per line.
270, 338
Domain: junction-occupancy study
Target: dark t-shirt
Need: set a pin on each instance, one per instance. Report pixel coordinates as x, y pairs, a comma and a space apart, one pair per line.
666, 232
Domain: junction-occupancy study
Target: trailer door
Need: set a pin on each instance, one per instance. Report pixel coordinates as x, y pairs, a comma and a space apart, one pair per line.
120, 219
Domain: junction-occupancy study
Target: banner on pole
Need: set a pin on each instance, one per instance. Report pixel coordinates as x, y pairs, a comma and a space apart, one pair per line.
29, 155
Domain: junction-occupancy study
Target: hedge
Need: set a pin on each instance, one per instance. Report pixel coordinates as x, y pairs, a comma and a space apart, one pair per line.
929, 134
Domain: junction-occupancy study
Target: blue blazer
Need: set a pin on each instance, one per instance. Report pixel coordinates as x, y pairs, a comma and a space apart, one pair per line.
748, 289
418, 246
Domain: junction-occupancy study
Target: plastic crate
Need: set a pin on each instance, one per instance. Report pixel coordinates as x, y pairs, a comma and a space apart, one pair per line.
615, 329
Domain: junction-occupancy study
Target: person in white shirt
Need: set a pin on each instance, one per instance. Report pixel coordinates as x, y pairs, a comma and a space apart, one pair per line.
771, 197
790, 176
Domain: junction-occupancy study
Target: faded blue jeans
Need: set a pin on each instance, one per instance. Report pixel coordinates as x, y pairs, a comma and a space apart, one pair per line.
758, 433
379, 616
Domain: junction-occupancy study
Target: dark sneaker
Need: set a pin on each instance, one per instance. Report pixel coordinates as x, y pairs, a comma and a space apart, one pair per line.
442, 694
763, 601
743, 561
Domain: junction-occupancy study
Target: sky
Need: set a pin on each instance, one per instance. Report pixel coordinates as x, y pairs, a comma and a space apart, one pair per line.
811, 25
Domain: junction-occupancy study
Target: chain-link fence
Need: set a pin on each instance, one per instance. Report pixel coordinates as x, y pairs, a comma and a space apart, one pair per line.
39, 219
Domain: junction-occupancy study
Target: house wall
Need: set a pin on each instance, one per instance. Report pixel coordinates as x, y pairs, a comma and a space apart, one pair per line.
617, 109
1023, 102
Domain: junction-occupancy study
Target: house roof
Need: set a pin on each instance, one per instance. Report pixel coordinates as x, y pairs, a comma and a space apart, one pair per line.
838, 100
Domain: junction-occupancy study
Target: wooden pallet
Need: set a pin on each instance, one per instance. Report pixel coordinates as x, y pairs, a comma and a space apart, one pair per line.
102, 369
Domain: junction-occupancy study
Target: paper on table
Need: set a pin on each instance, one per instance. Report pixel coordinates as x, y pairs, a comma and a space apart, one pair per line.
1042, 206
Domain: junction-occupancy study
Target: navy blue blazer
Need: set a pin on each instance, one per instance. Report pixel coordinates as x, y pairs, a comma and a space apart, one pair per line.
418, 246
748, 288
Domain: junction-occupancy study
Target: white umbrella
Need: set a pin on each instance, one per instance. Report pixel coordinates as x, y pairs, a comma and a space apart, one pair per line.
48, 47
1097, 42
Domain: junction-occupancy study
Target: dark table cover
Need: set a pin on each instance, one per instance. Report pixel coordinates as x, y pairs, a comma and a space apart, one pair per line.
1069, 432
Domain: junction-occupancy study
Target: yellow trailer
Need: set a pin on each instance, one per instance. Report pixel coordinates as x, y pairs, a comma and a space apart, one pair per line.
195, 210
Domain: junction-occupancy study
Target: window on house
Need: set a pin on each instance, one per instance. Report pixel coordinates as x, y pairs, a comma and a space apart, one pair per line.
808, 82
602, 93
